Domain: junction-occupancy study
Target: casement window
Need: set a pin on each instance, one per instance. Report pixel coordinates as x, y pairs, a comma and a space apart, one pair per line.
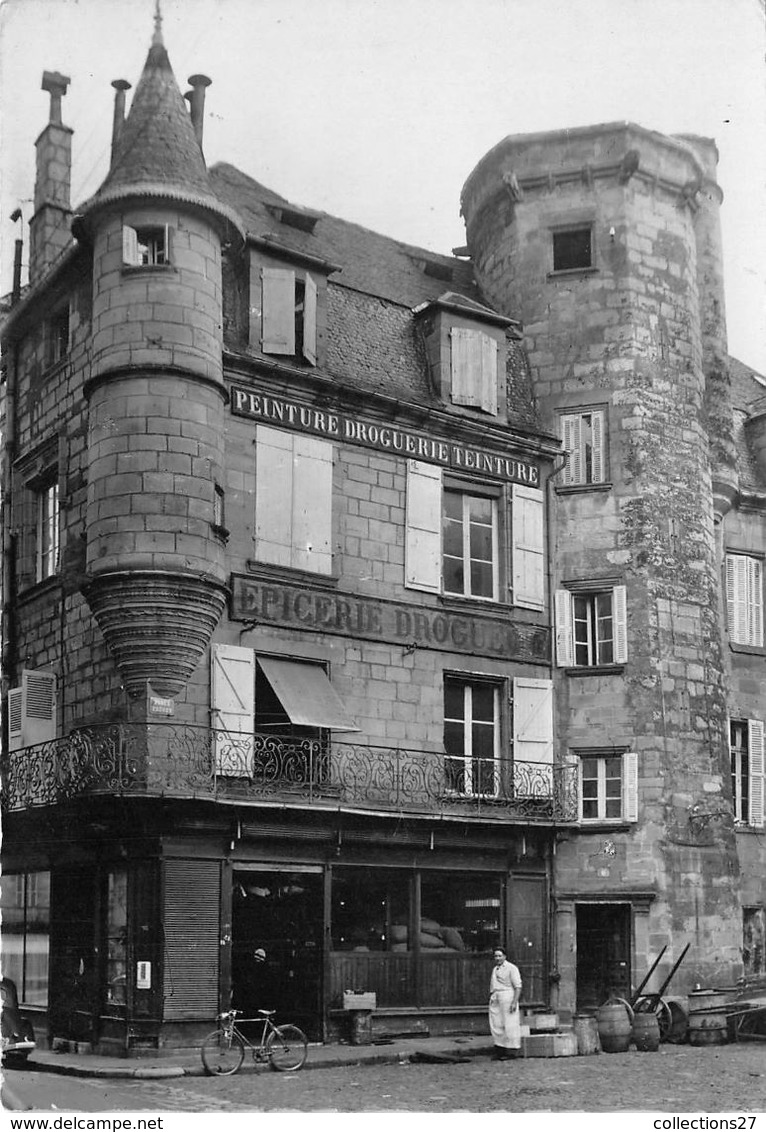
591, 626
293, 500
608, 786
471, 736
583, 436
32, 709
289, 314
146, 246
47, 529
455, 538
744, 599
748, 784
473, 369
572, 248
25, 904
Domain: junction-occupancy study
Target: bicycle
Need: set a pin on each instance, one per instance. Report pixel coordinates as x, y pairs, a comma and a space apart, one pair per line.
283, 1047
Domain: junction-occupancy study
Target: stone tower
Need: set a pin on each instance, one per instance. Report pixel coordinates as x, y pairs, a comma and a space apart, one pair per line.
156, 396
605, 242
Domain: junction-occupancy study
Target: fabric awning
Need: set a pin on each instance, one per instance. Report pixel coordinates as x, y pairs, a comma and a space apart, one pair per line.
307, 695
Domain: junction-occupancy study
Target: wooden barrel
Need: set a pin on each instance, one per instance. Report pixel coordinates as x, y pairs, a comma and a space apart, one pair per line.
614, 1026
646, 1031
707, 1018
585, 1029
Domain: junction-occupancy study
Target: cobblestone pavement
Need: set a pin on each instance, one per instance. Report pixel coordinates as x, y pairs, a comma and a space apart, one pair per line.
677, 1079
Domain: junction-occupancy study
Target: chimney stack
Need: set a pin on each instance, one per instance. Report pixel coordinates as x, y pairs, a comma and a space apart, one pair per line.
120, 87
49, 231
196, 98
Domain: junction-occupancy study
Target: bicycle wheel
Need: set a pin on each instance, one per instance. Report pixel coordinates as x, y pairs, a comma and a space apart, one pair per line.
222, 1053
286, 1047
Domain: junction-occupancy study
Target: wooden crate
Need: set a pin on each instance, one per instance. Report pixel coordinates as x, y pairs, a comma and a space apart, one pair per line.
360, 1000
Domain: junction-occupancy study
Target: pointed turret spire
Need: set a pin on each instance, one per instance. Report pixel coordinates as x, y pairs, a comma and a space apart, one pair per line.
157, 37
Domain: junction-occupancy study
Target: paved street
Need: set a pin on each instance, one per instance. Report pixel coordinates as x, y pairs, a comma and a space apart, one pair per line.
676, 1079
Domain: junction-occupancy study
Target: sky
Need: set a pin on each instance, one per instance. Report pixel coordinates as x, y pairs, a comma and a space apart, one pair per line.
378, 110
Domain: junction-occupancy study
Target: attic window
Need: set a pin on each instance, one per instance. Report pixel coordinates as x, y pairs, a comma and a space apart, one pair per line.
294, 217
572, 250
289, 316
146, 247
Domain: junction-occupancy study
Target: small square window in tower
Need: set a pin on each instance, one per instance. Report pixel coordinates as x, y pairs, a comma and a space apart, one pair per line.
146, 247
572, 249
583, 437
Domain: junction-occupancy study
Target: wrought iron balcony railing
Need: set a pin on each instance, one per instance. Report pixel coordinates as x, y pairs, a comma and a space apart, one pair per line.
182, 761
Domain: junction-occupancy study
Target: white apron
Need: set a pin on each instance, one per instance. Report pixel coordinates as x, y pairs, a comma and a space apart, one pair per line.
504, 1023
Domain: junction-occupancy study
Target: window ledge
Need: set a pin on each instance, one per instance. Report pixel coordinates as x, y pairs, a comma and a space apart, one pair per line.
37, 589
287, 574
748, 650
474, 604
149, 268
605, 825
595, 670
745, 827
578, 488
566, 272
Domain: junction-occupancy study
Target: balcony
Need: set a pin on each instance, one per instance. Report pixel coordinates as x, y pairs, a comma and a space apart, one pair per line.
181, 761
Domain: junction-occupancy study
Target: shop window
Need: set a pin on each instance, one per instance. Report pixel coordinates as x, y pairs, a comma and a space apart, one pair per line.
459, 914
146, 246
47, 527
471, 737
608, 786
117, 937
293, 500
754, 940
572, 248
744, 599
25, 907
591, 626
370, 911
584, 444
289, 314
473, 369
747, 771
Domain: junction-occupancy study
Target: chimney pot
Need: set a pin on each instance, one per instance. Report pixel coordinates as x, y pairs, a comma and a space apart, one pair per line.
196, 97
120, 87
56, 85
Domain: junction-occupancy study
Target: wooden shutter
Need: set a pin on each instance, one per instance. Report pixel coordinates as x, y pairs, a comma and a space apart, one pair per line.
422, 556
232, 708
488, 393
463, 365
310, 321
273, 496
630, 786
736, 598
192, 921
564, 629
532, 720
528, 548
570, 787
131, 256
571, 429
15, 718
754, 602
620, 615
597, 439
757, 801
278, 311
312, 505
32, 710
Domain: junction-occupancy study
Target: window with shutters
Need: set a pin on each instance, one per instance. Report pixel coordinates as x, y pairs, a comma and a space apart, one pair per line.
458, 537
289, 313
146, 246
473, 369
293, 501
748, 788
583, 436
608, 785
591, 626
744, 599
472, 736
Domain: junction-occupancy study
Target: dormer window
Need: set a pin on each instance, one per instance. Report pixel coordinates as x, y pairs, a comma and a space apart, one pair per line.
146, 247
289, 314
473, 369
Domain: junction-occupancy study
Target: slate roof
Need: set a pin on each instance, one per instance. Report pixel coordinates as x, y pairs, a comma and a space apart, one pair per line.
374, 264
748, 394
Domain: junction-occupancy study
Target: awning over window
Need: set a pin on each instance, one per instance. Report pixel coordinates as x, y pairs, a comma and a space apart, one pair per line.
307, 695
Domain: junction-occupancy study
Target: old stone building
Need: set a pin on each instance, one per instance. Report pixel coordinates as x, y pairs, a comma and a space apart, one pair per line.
294, 512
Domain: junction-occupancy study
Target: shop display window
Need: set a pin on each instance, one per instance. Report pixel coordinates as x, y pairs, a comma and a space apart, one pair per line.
25, 904
370, 912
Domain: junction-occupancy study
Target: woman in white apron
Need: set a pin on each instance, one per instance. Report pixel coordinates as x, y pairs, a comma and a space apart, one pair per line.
504, 1014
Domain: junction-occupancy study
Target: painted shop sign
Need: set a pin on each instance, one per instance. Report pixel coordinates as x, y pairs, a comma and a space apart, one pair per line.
382, 437
273, 603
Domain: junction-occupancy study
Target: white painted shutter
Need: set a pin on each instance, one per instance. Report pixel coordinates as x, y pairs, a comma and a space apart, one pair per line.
488, 397
131, 256
422, 555
310, 321
571, 428
736, 598
312, 505
757, 801
532, 720
620, 615
232, 708
569, 787
278, 311
15, 719
564, 629
32, 709
754, 602
463, 365
630, 786
528, 550
597, 438
273, 496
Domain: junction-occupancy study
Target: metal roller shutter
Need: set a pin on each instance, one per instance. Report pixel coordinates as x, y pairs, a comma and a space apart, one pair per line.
192, 933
